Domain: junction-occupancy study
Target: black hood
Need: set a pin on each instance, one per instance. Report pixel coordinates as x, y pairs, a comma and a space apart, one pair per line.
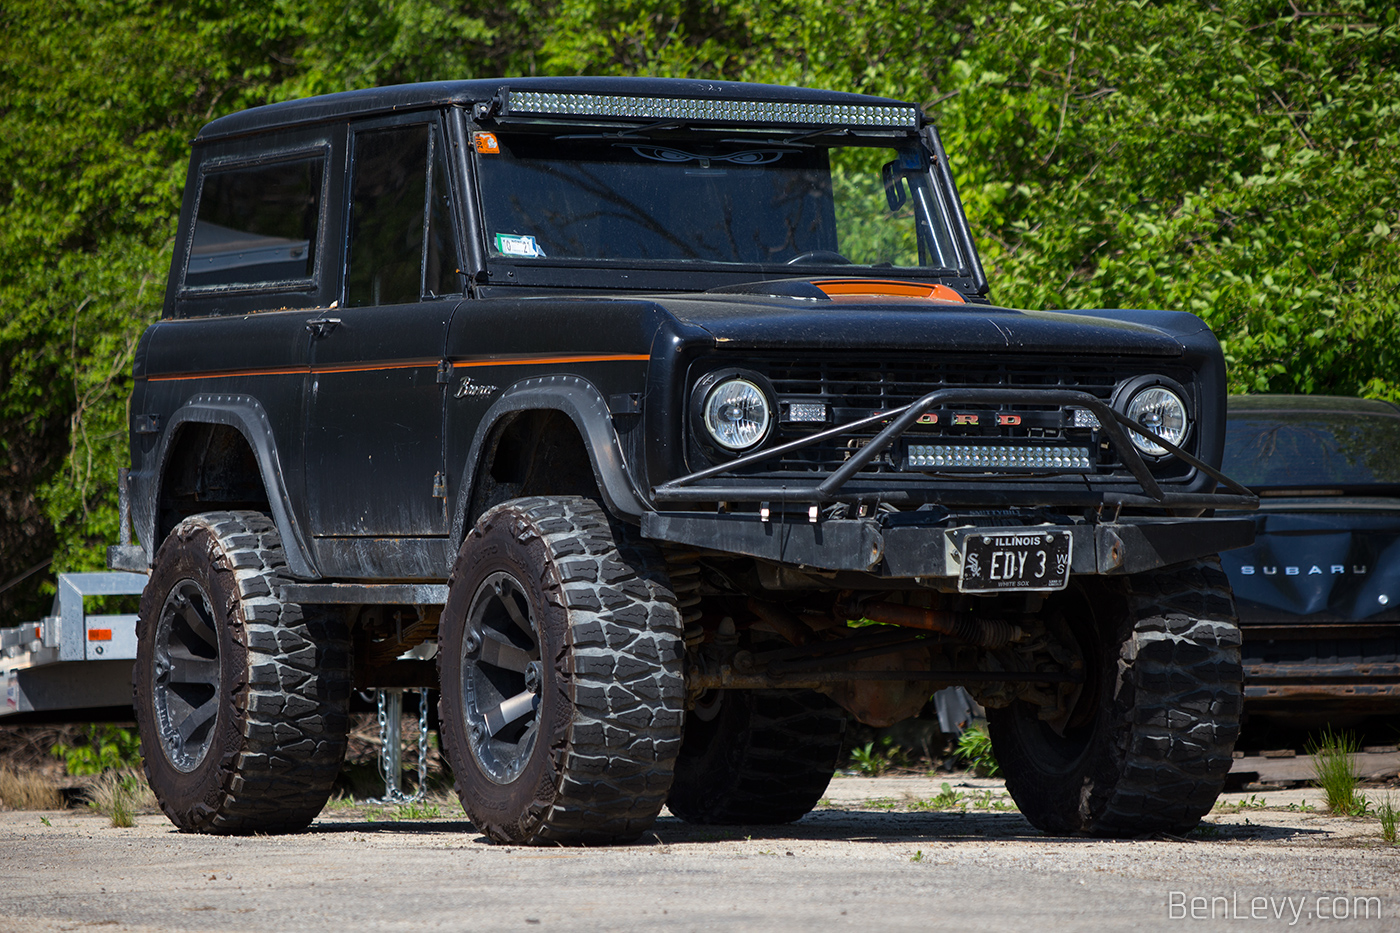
744, 321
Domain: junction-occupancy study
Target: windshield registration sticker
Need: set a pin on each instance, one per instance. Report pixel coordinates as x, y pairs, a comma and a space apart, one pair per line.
510, 244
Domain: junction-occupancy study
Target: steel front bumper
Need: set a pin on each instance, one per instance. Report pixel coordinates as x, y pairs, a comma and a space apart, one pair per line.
901, 547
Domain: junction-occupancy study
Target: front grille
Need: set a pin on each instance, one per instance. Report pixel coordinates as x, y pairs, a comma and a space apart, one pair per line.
856, 387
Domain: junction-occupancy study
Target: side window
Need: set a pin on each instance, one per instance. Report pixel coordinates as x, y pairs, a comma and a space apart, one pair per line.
441, 275
257, 224
390, 259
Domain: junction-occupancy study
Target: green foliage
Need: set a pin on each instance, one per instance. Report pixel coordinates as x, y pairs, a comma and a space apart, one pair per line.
418, 810
875, 758
975, 748
1252, 802
108, 748
1386, 813
1334, 763
1239, 160
868, 761
947, 799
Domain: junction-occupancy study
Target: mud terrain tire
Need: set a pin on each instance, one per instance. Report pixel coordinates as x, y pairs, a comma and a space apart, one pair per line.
562, 686
241, 699
1151, 752
756, 756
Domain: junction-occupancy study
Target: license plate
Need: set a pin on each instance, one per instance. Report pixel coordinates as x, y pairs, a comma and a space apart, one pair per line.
995, 559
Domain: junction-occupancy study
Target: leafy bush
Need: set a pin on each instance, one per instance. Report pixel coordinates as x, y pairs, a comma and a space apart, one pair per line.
975, 748
108, 748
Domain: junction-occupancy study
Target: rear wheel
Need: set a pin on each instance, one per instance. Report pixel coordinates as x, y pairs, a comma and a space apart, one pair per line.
756, 756
241, 699
1149, 741
560, 662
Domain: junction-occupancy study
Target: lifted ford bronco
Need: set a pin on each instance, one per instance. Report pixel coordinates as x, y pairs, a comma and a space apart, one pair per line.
677, 416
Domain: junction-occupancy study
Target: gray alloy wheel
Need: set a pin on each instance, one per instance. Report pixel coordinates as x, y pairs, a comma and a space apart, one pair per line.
501, 677
185, 688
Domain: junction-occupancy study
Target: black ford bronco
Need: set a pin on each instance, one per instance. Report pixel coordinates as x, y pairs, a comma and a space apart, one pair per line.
676, 416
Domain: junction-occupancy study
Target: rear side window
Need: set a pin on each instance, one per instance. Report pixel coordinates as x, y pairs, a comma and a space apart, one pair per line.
1311, 449
257, 224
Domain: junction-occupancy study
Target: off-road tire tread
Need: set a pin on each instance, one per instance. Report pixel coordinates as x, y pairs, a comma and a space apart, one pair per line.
777, 765
1167, 716
1180, 694
625, 676
294, 704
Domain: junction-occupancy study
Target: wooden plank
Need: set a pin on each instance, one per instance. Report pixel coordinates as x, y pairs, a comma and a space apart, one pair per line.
1370, 766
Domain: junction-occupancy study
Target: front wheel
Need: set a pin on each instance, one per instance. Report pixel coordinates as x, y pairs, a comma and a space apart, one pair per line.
1148, 743
560, 664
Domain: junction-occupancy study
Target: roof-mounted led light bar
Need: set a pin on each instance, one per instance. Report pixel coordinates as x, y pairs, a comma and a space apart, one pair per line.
547, 103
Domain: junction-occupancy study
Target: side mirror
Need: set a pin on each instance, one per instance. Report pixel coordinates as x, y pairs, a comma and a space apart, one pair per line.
895, 194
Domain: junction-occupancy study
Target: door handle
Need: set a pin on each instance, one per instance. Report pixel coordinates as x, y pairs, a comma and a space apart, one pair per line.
322, 326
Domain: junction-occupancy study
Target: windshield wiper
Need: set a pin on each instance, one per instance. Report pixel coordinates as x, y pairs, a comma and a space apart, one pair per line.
796, 139
638, 132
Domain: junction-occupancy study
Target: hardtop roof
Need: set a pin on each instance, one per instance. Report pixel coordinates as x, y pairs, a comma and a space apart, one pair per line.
409, 97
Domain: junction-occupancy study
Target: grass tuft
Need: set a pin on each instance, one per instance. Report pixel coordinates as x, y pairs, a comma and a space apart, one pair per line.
1386, 813
119, 796
1334, 763
25, 790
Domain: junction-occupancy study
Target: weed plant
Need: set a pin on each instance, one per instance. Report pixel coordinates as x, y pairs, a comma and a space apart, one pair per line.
1386, 813
975, 748
1252, 802
1334, 763
119, 796
874, 760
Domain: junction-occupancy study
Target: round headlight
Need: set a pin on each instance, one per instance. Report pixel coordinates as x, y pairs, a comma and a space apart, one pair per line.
736, 414
1162, 412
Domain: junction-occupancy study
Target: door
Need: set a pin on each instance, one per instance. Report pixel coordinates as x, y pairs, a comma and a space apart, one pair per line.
375, 401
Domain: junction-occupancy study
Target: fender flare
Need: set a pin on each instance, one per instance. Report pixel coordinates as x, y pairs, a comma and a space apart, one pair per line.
585, 406
246, 415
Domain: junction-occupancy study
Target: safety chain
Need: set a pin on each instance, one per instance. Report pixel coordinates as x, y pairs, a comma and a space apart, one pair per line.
390, 704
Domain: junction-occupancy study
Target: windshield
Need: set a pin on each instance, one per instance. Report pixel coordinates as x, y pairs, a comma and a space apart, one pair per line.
767, 202
1311, 449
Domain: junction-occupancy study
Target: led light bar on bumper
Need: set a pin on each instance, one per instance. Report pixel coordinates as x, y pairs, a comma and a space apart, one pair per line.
547, 103
998, 458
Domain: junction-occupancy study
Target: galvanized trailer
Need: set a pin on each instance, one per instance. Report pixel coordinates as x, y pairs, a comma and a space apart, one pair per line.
71, 666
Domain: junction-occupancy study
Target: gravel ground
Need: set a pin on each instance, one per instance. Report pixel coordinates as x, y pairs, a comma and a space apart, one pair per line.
873, 854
